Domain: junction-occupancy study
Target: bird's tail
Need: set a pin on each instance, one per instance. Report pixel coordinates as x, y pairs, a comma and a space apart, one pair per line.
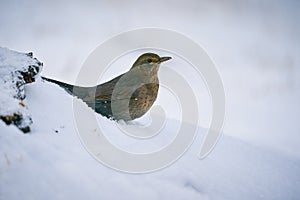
67, 87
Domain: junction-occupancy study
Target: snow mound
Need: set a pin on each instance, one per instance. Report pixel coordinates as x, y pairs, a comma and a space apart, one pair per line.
51, 163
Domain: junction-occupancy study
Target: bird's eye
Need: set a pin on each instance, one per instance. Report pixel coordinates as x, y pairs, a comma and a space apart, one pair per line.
149, 60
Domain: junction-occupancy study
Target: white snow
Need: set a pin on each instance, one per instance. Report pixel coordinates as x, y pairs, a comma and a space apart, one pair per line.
11, 64
14, 61
255, 45
51, 163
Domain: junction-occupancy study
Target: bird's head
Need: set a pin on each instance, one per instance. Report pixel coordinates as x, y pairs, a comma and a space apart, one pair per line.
149, 61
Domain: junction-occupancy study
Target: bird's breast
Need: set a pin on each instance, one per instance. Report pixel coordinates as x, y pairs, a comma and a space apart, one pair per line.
142, 99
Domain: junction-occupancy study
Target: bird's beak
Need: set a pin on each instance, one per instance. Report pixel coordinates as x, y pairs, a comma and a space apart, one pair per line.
163, 59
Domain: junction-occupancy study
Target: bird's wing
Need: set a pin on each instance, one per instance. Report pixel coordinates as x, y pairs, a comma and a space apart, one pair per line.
103, 91
123, 86
125, 89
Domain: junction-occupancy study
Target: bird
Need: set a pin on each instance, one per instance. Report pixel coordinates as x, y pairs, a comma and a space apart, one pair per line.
126, 97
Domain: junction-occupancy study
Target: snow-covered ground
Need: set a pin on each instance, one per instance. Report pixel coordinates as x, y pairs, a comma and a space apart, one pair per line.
51, 163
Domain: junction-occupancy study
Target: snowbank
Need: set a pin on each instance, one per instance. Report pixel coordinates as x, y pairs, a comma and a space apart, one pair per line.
51, 163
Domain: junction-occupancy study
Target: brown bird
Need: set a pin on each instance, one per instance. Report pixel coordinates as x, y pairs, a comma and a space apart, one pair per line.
126, 97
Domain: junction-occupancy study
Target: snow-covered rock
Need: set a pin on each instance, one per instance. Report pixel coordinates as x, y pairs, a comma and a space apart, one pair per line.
16, 69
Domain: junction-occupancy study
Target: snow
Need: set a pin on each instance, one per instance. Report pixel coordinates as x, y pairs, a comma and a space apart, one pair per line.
12, 64
255, 46
14, 61
51, 163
